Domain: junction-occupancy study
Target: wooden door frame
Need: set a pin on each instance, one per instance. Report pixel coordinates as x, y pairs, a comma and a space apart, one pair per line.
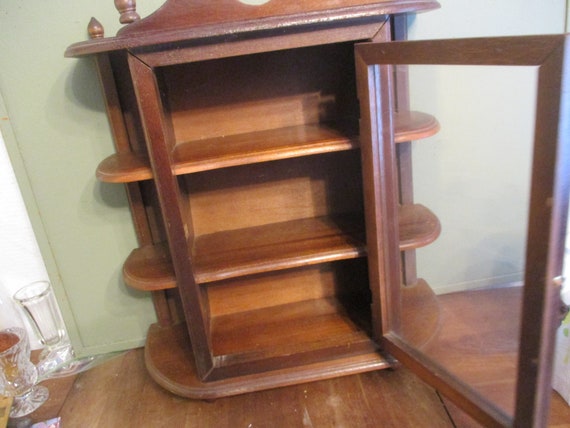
548, 207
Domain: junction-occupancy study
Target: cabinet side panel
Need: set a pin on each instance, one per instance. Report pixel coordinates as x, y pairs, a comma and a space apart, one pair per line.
159, 139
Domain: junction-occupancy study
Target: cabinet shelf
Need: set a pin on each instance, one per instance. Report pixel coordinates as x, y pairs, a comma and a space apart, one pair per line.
324, 330
242, 149
124, 167
418, 226
300, 328
260, 146
278, 246
414, 125
170, 362
149, 268
284, 245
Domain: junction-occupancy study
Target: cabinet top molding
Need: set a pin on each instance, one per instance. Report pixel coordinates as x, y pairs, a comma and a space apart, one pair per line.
193, 20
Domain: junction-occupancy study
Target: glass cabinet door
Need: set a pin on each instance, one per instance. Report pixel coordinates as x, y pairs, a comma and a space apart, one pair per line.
477, 319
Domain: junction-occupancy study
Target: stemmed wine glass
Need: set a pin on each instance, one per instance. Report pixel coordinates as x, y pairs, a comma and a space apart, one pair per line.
18, 375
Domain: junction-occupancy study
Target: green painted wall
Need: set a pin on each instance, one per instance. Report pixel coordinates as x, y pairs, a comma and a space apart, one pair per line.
54, 124
475, 173
56, 133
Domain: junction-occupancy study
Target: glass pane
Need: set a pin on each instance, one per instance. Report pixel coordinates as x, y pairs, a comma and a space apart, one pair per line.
464, 310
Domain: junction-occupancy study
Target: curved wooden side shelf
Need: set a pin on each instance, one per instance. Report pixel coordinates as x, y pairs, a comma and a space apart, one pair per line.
414, 125
418, 226
126, 167
203, 155
169, 361
289, 245
149, 268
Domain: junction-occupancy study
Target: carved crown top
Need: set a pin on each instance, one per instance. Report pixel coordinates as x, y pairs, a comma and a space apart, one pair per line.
175, 14
178, 20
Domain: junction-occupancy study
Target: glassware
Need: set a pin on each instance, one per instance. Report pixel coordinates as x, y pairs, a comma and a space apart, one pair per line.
18, 376
39, 303
58, 358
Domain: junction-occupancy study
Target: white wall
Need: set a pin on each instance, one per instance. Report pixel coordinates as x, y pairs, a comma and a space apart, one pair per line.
20, 258
474, 174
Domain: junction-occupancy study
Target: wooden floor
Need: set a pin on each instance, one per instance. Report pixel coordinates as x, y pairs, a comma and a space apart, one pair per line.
120, 393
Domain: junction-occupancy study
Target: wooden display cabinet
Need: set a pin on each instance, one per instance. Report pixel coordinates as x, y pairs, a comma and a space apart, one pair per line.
270, 185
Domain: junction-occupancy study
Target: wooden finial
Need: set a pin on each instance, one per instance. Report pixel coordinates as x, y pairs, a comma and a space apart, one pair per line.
95, 29
128, 10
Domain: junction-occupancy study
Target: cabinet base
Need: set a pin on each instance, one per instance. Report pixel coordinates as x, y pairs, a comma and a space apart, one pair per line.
169, 361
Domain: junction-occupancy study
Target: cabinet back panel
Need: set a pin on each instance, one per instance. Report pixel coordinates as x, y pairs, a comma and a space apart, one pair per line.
260, 92
344, 280
152, 211
273, 192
